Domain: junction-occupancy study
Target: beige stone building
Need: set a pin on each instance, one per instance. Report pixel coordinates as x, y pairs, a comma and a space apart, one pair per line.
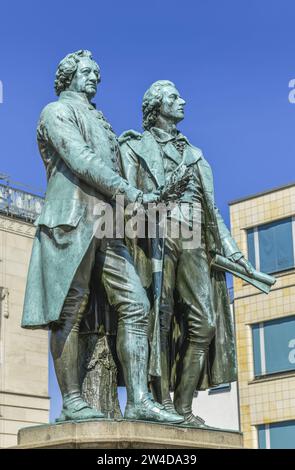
24, 397
264, 227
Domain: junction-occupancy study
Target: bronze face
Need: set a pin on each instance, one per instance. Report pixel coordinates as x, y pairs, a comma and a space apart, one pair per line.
86, 77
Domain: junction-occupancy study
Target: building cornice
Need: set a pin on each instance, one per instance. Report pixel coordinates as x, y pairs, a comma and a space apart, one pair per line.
263, 193
17, 226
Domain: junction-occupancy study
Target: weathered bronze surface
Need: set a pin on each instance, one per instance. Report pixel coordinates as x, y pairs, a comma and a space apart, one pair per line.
153, 304
81, 156
196, 334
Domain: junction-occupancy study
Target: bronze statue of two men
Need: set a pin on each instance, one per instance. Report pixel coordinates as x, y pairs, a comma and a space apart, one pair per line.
180, 318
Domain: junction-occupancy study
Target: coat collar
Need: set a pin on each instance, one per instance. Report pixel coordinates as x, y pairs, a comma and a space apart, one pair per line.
149, 150
76, 97
163, 137
166, 139
190, 155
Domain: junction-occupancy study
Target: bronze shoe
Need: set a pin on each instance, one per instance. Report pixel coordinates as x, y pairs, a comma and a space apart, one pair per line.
150, 410
77, 409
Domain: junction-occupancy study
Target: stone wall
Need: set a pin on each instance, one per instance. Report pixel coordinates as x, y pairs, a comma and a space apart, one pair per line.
24, 397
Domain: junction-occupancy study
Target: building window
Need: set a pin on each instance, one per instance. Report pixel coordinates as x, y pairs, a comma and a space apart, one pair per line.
274, 346
271, 247
220, 388
277, 435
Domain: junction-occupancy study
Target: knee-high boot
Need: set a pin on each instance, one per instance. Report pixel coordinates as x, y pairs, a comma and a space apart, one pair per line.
161, 387
132, 350
187, 381
64, 349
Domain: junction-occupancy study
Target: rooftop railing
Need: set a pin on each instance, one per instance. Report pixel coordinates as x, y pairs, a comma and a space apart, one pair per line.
19, 203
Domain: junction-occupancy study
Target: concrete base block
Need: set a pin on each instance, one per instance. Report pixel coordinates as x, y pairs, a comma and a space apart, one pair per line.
123, 434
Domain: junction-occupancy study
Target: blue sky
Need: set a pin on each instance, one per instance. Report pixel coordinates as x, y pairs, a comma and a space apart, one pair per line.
231, 60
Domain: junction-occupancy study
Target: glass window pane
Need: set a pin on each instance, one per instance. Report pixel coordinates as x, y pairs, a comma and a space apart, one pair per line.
251, 247
276, 246
256, 350
261, 437
282, 435
284, 243
279, 341
226, 387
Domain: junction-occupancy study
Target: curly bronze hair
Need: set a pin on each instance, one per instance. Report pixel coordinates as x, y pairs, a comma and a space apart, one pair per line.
151, 103
67, 68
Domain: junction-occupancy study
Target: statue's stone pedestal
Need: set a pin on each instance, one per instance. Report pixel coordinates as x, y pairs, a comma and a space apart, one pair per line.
121, 434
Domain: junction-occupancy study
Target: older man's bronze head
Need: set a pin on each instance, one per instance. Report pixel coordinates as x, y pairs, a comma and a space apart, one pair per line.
77, 72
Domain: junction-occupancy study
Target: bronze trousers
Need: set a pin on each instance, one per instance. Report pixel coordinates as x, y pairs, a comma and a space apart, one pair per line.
187, 278
126, 294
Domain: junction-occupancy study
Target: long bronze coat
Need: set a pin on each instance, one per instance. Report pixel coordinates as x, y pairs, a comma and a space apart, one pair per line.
80, 153
143, 167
